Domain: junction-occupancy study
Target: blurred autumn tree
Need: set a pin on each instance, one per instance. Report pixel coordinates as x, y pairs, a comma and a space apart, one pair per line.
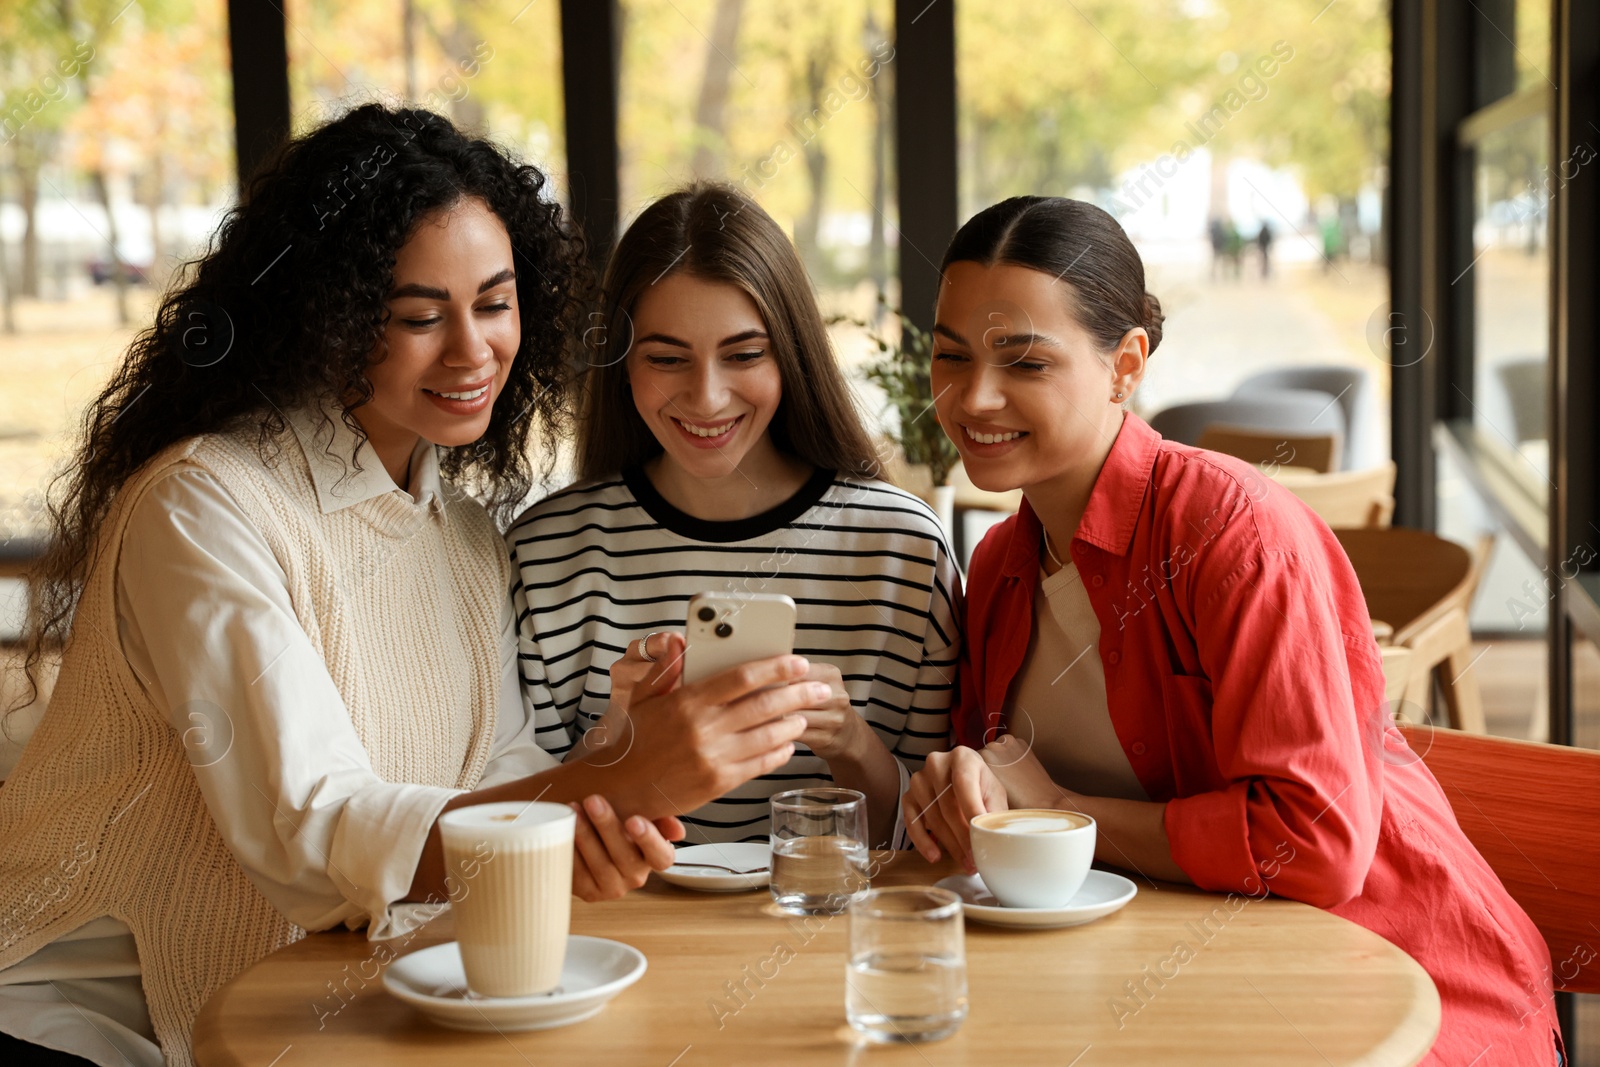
146, 107
158, 112
1048, 104
1052, 98
491, 65
789, 100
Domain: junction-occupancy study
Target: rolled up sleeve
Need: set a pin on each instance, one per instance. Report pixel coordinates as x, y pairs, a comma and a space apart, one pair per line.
1302, 807
377, 841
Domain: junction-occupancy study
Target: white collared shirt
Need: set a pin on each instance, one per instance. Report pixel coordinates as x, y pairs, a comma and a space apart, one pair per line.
324, 839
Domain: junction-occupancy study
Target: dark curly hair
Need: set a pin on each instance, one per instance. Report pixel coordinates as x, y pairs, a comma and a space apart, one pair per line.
288, 306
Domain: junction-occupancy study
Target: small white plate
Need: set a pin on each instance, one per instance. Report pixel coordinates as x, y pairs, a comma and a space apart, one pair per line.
741, 856
1102, 894
595, 970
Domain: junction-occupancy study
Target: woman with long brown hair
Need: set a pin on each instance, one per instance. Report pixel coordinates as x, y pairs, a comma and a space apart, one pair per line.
719, 449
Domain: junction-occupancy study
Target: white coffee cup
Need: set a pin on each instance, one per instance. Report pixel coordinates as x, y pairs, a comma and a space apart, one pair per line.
509, 874
1033, 857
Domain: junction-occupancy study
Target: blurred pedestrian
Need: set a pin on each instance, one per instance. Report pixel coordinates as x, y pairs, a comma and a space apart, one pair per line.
1264, 246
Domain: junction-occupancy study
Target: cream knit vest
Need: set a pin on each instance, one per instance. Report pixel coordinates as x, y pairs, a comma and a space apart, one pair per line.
102, 816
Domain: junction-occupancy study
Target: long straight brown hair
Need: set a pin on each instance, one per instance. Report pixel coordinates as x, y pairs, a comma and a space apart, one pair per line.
717, 233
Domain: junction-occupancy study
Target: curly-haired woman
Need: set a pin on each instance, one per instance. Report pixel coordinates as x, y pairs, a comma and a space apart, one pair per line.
291, 645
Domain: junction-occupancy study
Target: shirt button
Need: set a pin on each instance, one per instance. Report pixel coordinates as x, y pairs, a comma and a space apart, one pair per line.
1097, 581
1114, 658
1138, 748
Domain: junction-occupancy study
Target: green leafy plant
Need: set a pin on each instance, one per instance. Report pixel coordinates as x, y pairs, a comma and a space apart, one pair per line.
904, 373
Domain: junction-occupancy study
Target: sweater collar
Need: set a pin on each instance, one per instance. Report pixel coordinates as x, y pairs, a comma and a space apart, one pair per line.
1114, 503
337, 482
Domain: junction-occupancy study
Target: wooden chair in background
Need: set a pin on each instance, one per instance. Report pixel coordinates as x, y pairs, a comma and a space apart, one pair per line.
1350, 387
1275, 412
17, 554
1533, 811
1421, 586
1396, 673
1345, 498
1313, 451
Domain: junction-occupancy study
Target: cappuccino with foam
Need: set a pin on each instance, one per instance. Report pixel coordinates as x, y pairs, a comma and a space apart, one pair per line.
1033, 857
1032, 821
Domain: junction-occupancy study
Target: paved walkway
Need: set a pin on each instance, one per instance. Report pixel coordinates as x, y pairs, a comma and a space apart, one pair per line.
1218, 333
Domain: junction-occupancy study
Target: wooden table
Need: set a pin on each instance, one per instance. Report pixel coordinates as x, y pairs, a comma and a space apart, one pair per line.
1175, 977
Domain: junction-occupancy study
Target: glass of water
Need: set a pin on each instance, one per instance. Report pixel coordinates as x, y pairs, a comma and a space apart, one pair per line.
819, 850
907, 976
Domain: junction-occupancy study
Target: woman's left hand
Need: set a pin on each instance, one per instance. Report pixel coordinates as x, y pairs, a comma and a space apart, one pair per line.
833, 729
637, 664
1028, 784
611, 856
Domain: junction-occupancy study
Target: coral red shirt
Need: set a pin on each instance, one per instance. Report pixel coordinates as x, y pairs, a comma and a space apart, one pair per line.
1244, 684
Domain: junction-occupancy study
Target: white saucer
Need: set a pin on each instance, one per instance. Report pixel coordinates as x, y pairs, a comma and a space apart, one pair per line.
740, 856
432, 981
1102, 894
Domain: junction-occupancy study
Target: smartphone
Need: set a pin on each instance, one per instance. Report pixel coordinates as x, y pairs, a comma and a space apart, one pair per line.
727, 629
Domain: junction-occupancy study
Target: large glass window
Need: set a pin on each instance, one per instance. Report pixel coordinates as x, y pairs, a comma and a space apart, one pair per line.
492, 65
1510, 285
1243, 148
1510, 614
116, 160
1495, 475
791, 102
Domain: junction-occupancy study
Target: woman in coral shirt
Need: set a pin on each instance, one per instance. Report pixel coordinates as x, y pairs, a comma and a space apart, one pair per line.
1230, 729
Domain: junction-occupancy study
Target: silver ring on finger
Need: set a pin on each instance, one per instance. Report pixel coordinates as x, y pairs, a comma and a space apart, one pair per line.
644, 647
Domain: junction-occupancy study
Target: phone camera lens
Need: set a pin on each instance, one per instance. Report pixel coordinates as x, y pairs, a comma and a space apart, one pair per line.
723, 630
706, 614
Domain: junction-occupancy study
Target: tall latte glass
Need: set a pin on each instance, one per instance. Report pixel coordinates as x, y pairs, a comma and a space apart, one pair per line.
509, 872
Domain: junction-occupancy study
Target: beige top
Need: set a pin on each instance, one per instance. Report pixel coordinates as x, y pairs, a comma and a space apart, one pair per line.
346, 699
1058, 698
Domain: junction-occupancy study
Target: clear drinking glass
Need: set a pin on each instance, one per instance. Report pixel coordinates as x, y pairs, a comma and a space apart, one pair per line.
907, 975
819, 850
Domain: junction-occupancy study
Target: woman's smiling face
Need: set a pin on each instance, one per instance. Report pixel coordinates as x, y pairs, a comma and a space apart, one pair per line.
1019, 384
452, 334
702, 373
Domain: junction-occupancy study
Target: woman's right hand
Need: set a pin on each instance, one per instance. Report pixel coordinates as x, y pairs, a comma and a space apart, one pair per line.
694, 743
950, 790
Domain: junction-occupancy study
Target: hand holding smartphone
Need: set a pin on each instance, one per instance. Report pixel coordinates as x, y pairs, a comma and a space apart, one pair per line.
725, 630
